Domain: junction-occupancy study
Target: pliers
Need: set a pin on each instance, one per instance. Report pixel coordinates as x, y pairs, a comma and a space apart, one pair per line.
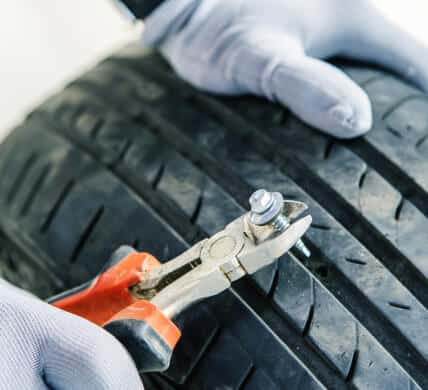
136, 297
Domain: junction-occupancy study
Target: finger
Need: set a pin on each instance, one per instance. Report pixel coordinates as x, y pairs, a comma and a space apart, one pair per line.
320, 94
380, 41
81, 355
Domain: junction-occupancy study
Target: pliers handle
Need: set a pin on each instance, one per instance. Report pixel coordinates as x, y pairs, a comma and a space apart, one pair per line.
148, 335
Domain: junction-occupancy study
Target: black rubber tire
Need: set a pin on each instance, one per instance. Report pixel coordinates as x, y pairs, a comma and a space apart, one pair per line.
130, 154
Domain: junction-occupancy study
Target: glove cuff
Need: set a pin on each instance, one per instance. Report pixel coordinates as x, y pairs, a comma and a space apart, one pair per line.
166, 20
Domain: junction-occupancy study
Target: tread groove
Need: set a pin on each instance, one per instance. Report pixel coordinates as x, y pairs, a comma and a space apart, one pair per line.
246, 380
420, 141
38, 184
399, 209
308, 322
394, 132
328, 150
158, 176
20, 178
194, 217
355, 261
125, 148
86, 234
136, 244
353, 366
355, 355
274, 283
399, 306
363, 178
320, 227
63, 195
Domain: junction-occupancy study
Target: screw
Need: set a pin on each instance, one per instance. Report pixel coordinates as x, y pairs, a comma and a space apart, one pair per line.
266, 208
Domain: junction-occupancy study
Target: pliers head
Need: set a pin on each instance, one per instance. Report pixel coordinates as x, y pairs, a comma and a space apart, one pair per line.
210, 266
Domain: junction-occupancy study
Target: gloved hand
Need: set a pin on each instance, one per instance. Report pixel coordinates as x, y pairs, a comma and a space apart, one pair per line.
274, 48
42, 347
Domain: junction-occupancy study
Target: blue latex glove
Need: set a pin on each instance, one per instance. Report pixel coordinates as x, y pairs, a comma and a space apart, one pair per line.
274, 48
42, 347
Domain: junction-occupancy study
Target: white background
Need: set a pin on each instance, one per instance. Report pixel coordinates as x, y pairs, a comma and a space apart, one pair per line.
44, 43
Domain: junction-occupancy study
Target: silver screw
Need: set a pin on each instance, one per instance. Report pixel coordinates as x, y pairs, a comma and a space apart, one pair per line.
266, 208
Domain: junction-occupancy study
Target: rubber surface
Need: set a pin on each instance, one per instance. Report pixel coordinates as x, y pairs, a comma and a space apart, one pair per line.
130, 154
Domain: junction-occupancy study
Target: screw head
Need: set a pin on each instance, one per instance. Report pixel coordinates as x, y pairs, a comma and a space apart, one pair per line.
260, 201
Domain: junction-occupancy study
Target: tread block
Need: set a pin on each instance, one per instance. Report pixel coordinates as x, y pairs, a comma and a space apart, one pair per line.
144, 87
372, 371
259, 380
194, 341
24, 274
333, 331
294, 293
110, 138
284, 369
12, 180
145, 157
359, 73
192, 122
34, 182
183, 183
264, 279
217, 209
410, 119
385, 93
214, 369
88, 122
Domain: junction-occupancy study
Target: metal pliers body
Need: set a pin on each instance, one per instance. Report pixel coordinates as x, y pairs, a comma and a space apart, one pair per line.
136, 298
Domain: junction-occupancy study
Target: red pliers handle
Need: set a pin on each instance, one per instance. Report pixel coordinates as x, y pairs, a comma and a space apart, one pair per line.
149, 335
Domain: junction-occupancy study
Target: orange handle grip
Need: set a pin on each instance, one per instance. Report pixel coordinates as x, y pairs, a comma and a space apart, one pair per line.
109, 293
108, 298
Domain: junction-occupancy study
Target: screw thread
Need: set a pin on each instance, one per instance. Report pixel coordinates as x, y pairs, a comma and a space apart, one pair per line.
280, 223
300, 245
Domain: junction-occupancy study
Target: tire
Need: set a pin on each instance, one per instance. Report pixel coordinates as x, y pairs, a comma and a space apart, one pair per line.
130, 154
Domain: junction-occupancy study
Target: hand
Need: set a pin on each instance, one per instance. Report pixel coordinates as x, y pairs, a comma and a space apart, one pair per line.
274, 48
43, 347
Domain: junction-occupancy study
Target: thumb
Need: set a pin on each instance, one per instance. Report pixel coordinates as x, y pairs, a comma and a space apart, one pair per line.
317, 92
81, 355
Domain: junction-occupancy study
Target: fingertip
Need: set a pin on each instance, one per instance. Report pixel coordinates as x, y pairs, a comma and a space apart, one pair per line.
347, 122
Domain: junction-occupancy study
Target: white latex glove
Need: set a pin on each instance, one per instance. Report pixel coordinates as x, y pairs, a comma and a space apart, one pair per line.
43, 348
275, 48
